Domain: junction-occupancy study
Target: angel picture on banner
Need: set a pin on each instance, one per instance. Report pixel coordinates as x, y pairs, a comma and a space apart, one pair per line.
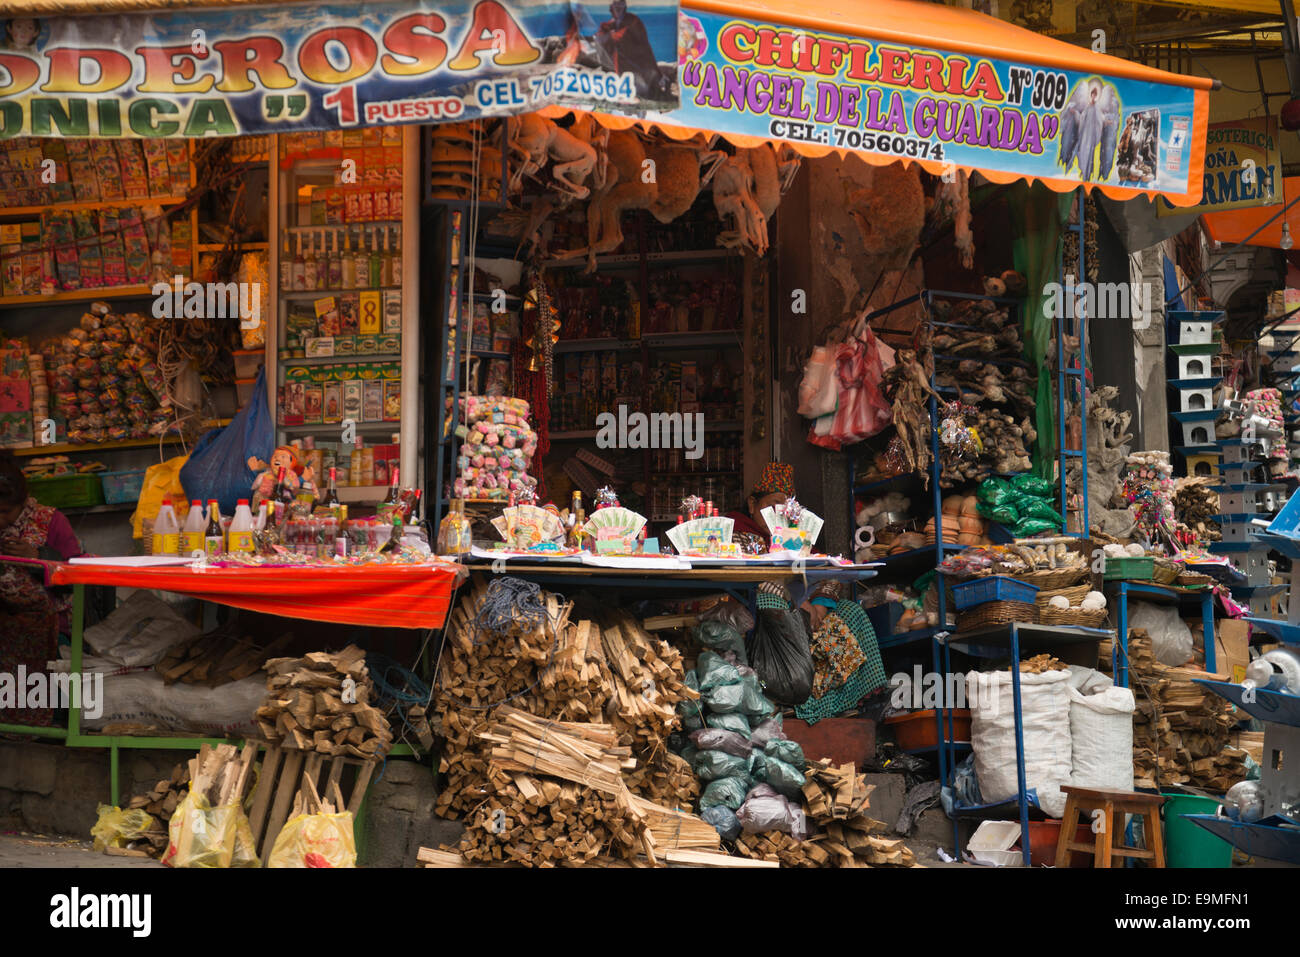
1089, 124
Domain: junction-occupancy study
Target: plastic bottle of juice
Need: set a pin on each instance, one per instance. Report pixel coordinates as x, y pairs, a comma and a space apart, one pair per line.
192, 533
241, 530
214, 539
166, 532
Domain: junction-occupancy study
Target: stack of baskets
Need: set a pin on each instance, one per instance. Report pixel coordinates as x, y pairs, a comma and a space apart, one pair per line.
994, 600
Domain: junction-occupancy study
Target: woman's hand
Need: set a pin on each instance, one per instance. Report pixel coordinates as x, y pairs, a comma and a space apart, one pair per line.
18, 549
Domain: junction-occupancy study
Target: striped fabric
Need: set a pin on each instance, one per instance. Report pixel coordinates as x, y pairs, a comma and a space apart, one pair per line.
384, 596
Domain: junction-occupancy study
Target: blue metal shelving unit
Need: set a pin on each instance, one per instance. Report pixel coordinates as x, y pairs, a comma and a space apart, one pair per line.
1072, 380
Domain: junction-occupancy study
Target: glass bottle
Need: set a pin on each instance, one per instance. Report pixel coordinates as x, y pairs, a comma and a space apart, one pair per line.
299, 266
347, 265
376, 263
330, 500
360, 262
310, 274
286, 266
396, 268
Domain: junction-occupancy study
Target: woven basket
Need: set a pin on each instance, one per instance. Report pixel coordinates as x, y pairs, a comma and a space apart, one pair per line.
1165, 573
1194, 579
1074, 594
997, 613
1072, 616
1052, 578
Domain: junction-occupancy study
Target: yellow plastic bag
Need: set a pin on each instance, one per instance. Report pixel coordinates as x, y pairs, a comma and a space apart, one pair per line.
117, 828
160, 481
204, 836
315, 840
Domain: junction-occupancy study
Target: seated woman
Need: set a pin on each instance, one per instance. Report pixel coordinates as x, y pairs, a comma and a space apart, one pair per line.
29, 613
774, 486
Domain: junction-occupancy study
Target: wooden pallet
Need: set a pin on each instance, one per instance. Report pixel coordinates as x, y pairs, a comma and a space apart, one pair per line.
281, 783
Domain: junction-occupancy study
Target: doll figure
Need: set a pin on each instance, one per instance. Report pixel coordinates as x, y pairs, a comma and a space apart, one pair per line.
297, 478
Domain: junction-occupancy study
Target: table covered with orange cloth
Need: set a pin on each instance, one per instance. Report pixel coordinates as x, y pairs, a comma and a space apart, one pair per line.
384, 596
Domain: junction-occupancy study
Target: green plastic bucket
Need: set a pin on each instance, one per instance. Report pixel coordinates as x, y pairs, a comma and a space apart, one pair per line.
1187, 844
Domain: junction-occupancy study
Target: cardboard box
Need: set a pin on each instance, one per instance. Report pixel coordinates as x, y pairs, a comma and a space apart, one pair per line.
1232, 648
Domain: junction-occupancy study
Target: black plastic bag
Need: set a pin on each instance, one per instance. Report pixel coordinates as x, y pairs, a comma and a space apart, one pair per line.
779, 653
721, 638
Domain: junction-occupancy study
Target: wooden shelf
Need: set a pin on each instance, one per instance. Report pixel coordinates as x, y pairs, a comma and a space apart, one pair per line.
63, 448
13, 211
99, 509
141, 291
217, 247
333, 360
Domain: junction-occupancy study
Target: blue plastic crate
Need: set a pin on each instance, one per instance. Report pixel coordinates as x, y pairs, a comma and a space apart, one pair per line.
993, 588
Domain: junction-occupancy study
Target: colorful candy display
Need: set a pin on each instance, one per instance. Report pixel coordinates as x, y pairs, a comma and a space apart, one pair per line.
497, 450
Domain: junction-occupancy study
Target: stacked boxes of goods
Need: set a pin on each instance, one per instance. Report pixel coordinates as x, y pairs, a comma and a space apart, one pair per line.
91, 248
1245, 496
497, 450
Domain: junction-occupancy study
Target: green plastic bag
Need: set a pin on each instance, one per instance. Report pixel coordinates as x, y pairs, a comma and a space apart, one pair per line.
725, 792
788, 751
691, 712
1034, 485
711, 765
753, 703
714, 671
782, 777
993, 491
720, 638
1005, 512
1031, 507
725, 698
1033, 526
731, 722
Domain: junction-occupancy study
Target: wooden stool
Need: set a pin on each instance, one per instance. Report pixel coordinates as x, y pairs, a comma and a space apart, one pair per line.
1109, 842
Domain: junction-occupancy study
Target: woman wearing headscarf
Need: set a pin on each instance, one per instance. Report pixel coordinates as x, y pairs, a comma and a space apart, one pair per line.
846, 657
774, 487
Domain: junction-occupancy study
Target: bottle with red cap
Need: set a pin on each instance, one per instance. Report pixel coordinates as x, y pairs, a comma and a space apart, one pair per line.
241, 530
166, 530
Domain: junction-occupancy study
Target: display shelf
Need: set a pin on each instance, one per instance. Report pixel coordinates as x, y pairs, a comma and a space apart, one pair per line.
65, 448
335, 360
218, 247
13, 212
338, 427
138, 291
596, 345
99, 509
690, 340
292, 294
361, 494
489, 354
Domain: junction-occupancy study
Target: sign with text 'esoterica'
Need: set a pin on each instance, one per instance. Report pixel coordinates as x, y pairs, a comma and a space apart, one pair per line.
939, 107
1243, 167
315, 66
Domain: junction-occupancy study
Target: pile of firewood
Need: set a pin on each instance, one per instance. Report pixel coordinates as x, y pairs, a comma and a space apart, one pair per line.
610, 671
216, 658
1181, 730
558, 796
321, 702
837, 799
1195, 504
165, 795
219, 775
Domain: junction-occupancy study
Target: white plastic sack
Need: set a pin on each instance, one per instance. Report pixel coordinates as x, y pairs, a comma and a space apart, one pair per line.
1045, 713
819, 388
142, 698
139, 631
1101, 735
1171, 639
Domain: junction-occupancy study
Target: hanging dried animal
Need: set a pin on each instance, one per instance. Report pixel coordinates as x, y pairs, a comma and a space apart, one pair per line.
908, 386
734, 199
535, 139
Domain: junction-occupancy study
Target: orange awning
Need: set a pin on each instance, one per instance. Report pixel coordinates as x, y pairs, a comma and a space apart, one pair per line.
1178, 105
1234, 225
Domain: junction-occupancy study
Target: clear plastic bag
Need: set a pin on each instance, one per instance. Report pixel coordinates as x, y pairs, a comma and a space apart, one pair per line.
315, 840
